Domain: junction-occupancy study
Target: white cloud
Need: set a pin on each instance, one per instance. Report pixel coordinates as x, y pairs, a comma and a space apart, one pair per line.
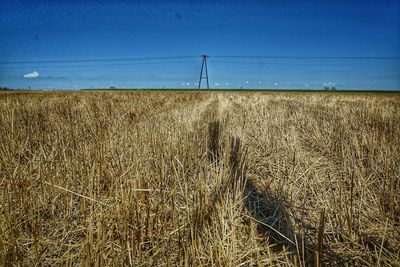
306, 85
31, 75
247, 82
276, 84
259, 82
329, 84
226, 84
216, 84
187, 83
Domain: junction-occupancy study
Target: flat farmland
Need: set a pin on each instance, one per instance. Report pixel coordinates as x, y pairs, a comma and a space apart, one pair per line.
199, 178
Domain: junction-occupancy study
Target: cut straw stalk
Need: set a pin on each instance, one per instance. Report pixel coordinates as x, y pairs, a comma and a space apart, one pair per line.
78, 194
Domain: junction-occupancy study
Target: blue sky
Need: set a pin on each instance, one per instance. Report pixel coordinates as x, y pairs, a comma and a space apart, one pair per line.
75, 44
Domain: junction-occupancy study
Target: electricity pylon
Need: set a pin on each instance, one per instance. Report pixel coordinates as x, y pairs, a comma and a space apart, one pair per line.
204, 65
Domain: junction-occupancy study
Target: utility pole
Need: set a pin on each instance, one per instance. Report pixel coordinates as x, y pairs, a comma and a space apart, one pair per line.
204, 65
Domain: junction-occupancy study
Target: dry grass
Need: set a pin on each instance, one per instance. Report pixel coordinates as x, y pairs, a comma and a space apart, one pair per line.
199, 179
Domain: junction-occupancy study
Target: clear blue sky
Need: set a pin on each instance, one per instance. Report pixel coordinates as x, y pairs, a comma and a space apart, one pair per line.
346, 43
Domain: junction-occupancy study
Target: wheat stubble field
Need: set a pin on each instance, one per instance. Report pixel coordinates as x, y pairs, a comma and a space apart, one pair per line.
199, 179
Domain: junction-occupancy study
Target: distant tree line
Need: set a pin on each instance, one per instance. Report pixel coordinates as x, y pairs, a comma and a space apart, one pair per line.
4, 88
332, 88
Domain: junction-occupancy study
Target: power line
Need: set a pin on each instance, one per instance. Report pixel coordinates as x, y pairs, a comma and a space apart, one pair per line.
106, 65
215, 61
307, 57
95, 60
291, 64
187, 57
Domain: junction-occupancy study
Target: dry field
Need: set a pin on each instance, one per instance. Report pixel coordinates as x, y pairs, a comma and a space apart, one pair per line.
199, 179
